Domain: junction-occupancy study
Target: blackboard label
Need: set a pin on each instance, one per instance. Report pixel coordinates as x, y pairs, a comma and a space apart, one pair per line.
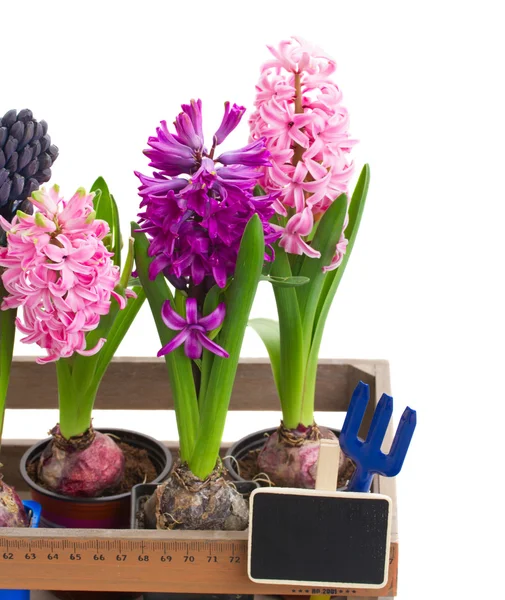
315, 537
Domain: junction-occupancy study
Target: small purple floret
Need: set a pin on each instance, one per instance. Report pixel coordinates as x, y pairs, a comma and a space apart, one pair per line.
230, 120
193, 329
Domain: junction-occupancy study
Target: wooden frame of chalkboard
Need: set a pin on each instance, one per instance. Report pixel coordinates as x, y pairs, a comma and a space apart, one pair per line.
141, 384
299, 537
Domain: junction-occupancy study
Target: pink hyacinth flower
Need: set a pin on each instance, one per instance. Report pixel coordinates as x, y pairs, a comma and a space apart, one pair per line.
57, 269
297, 227
299, 113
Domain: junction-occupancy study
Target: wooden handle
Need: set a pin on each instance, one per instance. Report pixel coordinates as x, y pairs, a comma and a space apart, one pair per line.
327, 465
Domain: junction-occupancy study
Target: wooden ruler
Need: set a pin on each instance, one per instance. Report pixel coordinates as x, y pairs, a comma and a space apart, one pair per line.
147, 561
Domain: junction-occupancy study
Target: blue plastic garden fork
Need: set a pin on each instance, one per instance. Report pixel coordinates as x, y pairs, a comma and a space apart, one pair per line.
367, 454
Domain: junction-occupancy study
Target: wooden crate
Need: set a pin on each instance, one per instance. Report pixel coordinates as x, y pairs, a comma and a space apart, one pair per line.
138, 383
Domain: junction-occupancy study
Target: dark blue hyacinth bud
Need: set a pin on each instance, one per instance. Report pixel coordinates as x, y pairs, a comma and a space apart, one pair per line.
26, 157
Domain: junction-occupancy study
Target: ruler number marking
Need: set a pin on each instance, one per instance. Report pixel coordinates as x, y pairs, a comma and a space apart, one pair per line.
96, 551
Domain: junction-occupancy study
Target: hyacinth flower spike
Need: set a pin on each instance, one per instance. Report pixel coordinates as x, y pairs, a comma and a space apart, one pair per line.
367, 453
305, 127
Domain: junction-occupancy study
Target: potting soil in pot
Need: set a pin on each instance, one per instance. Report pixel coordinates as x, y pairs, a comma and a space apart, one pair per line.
138, 469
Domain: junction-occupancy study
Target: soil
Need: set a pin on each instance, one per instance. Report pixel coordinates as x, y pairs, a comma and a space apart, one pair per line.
249, 469
138, 469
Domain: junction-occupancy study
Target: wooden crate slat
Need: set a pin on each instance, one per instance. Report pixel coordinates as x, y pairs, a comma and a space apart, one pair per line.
142, 384
141, 575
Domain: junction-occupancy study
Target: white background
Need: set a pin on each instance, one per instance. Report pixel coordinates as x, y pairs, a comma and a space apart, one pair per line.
423, 84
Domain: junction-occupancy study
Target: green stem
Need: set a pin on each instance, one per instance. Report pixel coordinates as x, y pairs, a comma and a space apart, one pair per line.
178, 364
239, 301
292, 353
75, 402
7, 334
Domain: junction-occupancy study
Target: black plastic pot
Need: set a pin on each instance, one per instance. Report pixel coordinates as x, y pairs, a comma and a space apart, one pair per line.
110, 512
251, 442
140, 493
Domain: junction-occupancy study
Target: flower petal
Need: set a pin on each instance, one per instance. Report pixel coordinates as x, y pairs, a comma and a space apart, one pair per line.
211, 346
192, 345
214, 319
172, 319
119, 299
94, 350
191, 311
174, 343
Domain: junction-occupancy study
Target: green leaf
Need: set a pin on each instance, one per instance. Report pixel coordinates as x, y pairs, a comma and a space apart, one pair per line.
179, 366
84, 367
240, 298
258, 190
128, 267
331, 284
268, 330
179, 304
212, 299
96, 198
292, 352
356, 208
106, 210
285, 281
7, 334
133, 281
117, 332
325, 241
116, 233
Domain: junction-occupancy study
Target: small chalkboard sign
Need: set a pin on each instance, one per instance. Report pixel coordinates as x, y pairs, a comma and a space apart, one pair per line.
317, 537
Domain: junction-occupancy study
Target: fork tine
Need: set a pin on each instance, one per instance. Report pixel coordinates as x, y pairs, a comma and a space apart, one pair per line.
354, 416
380, 422
401, 441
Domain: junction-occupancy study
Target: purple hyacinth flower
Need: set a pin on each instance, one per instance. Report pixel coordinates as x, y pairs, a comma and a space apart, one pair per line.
193, 329
195, 207
230, 121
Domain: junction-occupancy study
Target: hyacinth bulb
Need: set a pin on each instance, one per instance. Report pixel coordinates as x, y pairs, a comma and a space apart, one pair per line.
12, 511
87, 471
26, 158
